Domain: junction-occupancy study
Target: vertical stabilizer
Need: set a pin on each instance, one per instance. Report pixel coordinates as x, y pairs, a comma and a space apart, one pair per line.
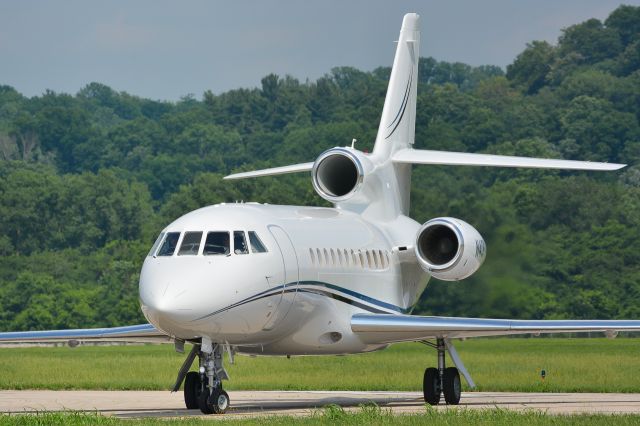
397, 124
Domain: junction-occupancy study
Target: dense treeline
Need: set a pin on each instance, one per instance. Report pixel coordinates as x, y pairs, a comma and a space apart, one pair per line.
87, 181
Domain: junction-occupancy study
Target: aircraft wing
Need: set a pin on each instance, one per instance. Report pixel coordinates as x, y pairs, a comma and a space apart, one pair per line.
141, 333
383, 328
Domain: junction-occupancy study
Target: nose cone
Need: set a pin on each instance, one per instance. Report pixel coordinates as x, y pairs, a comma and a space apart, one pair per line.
164, 303
165, 312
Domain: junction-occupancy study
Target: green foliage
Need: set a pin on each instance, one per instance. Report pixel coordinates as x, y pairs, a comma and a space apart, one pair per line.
87, 181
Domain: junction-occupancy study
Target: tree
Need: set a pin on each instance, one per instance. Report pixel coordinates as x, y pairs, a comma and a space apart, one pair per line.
626, 21
591, 40
531, 67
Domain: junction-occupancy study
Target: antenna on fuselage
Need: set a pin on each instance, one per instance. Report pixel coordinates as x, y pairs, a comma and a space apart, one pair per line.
353, 143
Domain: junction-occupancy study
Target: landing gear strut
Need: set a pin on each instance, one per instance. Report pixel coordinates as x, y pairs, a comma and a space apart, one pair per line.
203, 389
212, 399
444, 381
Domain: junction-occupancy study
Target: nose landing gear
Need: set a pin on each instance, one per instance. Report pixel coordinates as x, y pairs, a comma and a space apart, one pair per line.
444, 381
203, 389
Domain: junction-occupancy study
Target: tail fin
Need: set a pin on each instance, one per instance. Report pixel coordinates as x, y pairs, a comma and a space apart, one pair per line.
398, 121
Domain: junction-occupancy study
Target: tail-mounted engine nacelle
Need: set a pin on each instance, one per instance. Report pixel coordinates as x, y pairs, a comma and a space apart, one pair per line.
449, 249
338, 173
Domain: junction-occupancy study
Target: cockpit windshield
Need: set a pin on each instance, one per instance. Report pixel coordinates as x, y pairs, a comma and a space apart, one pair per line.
190, 244
169, 244
156, 244
217, 243
240, 243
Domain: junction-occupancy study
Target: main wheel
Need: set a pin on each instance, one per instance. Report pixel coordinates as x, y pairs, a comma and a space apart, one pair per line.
451, 386
431, 386
191, 389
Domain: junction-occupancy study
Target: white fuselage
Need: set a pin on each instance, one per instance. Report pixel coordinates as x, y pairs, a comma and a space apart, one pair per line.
322, 265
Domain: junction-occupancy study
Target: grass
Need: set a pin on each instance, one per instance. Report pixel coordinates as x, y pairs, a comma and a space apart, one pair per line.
331, 415
572, 365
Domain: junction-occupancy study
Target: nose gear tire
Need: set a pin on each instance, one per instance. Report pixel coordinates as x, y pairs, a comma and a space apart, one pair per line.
219, 401
203, 401
192, 388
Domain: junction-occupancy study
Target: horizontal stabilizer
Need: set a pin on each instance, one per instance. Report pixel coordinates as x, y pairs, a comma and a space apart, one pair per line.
295, 168
416, 156
383, 328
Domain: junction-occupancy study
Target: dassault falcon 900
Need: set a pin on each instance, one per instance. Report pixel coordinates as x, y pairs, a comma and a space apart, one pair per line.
289, 280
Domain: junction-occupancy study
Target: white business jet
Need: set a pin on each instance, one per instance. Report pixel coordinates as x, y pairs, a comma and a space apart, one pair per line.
289, 280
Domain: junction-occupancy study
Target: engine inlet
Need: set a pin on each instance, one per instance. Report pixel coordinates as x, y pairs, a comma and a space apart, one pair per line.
336, 175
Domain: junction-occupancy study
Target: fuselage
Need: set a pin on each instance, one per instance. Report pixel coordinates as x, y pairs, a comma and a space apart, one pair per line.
278, 279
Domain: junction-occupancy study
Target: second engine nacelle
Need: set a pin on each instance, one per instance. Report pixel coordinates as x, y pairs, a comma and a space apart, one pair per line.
449, 249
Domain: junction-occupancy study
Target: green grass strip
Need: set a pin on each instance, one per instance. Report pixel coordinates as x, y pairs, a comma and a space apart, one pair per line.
505, 364
332, 415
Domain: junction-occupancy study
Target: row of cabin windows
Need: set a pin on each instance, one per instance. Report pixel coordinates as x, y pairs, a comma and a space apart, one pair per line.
370, 259
216, 242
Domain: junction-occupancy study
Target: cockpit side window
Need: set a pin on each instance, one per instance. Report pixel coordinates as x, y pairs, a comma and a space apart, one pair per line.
256, 243
169, 244
190, 244
217, 243
156, 244
240, 243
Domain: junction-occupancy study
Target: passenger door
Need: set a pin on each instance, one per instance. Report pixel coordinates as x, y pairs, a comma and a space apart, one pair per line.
286, 278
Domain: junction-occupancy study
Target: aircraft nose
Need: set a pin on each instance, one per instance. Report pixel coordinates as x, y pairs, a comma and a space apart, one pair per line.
163, 306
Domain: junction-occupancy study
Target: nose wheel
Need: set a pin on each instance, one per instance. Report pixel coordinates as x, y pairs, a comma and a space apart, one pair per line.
203, 389
192, 390
215, 402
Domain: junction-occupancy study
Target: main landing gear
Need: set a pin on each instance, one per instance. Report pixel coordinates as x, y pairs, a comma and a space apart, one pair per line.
203, 389
444, 381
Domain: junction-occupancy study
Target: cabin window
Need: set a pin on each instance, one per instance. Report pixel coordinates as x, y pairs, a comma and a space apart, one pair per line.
376, 260
339, 253
190, 244
169, 244
240, 243
156, 244
333, 257
256, 243
319, 254
313, 257
217, 243
361, 257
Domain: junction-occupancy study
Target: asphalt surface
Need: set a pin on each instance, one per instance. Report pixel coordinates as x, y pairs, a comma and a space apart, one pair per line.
136, 404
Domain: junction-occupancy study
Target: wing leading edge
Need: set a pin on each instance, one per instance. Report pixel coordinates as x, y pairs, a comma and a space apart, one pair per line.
141, 333
382, 328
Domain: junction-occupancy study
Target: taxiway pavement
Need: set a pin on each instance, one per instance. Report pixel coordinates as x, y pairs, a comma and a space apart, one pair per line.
132, 404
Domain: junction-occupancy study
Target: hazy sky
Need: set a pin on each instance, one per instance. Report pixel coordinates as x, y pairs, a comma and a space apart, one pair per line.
167, 49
